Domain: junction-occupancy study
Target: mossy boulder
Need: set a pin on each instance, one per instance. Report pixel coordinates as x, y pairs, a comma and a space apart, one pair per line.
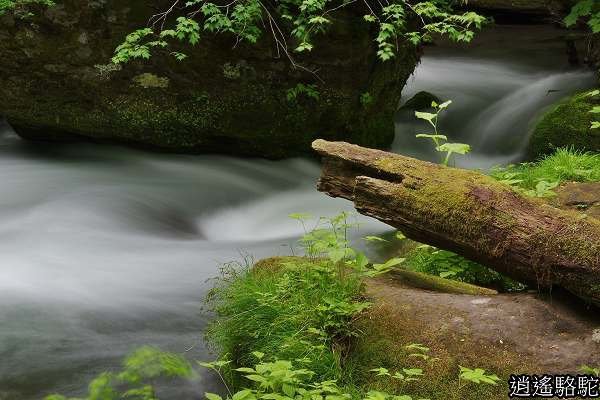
566, 124
57, 83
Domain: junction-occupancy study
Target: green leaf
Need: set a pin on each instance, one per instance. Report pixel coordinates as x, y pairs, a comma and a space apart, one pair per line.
400, 235
369, 18
256, 378
425, 116
245, 370
459, 148
444, 105
245, 394
595, 110
417, 347
413, 371
478, 375
381, 371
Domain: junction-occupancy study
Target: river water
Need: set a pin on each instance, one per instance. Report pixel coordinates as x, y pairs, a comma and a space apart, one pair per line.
103, 249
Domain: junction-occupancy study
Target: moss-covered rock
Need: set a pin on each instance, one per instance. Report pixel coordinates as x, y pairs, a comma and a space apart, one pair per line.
566, 124
56, 83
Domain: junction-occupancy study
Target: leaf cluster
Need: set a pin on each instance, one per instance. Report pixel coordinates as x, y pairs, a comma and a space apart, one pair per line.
294, 25
448, 265
588, 9
20, 8
134, 381
441, 141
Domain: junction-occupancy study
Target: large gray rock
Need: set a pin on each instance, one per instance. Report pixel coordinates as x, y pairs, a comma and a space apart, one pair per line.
56, 83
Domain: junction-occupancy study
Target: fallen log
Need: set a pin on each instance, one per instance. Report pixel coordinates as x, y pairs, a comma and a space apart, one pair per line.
470, 214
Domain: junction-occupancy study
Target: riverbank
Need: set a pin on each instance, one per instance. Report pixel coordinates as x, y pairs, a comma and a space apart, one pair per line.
390, 336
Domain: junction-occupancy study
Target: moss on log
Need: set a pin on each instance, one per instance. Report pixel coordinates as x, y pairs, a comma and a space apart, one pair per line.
438, 284
470, 214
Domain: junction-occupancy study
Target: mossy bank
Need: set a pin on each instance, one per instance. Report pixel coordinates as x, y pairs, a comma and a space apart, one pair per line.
348, 329
57, 83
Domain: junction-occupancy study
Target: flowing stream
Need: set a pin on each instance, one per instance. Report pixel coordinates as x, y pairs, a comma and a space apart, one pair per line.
103, 249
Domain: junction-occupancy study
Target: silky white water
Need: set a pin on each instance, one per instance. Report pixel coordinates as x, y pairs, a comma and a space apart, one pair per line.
103, 249
499, 86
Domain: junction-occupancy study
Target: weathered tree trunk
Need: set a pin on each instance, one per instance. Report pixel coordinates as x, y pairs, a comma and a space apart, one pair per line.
470, 214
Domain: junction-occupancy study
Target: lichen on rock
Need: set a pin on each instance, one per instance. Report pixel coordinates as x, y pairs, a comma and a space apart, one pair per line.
147, 80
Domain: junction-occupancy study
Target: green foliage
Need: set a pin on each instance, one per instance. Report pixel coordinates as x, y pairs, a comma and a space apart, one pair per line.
589, 9
436, 18
134, 381
139, 44
281, 380
440, 141
539, 178
366, 99
308, 90
20, 8
301, 306
448, 265
478, 375
297, 307
282, 328
294, 24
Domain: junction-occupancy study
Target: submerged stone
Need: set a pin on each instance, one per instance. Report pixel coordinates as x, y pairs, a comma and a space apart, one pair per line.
420, 101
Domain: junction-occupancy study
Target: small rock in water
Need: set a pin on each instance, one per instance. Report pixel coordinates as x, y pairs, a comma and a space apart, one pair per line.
483, 300
596, 335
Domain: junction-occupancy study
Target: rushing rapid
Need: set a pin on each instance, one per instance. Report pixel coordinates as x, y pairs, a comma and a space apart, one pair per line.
499, 86
103, 249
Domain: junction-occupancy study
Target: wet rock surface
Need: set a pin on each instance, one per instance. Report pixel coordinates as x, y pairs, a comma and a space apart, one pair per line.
582, 197
555, 336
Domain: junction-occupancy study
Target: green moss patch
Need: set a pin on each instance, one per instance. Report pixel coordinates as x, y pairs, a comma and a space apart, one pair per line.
567, 124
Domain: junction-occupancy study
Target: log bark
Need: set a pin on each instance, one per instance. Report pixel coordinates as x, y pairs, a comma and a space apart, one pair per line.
470, 214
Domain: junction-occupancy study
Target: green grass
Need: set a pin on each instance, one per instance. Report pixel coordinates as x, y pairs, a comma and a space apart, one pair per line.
565, 164
289, 309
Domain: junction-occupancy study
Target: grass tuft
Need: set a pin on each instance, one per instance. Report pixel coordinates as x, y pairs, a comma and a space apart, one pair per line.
566, 164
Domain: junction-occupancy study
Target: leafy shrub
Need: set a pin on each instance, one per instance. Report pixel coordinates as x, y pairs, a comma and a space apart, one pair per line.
446, 264
20, 8
589, 9
135, 380
294, 24
300, 306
